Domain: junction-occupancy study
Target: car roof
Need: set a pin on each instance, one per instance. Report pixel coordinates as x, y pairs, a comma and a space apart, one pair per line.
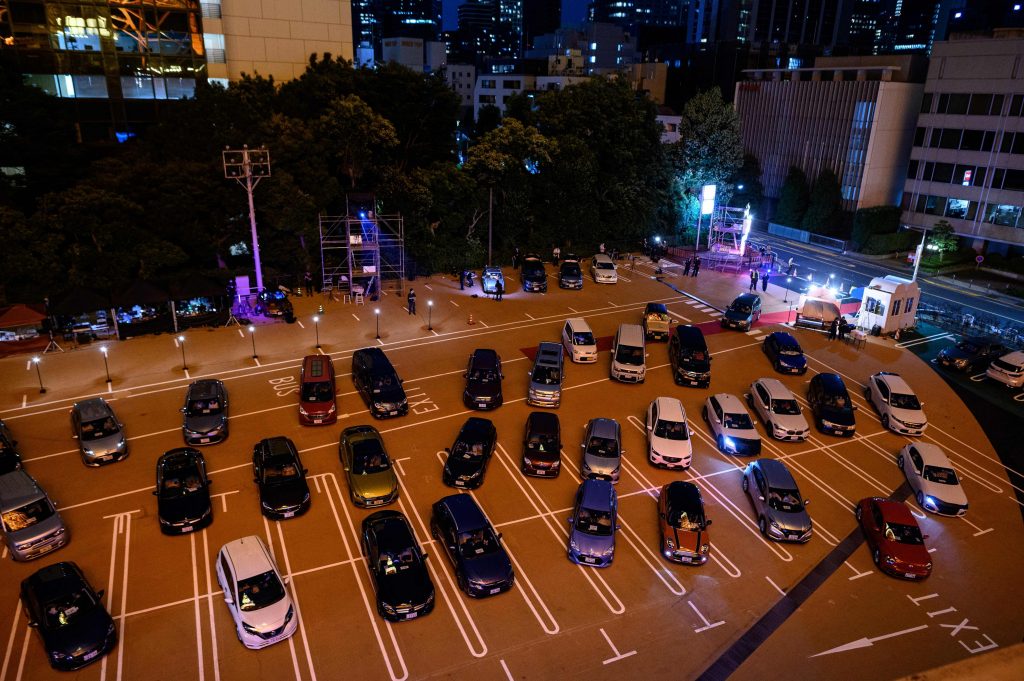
683, 494
54, 580
375, 359
485, 358
92, 409
531, 256
895, 382
777, 390
932, 455
465, 512
655, 307
492, 270
316, 367
602, 257
894, 511
730, 403
476, 425
1015, 357
670, 408
392, 530
749, 298
831, 382
248, 556
278, 446
691, 334
549, 353
602, 427
205, 387
578, 324
18, 488
786, 339
776, 473
597, 494
543, 422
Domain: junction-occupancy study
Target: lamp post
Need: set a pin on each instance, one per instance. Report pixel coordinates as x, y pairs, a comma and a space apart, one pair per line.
249, 166
181, 344
106, 367
39, 373
316, 325
252, 336
430, 315
785, 298
376, 312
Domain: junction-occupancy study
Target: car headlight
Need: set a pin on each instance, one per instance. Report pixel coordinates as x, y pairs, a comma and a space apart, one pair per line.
266, 506
929, 502
574, 546
388, 608
889, 560
928, 565
775, 524
288, 616
527, 461
827, 424
379, 405
609, 551
305, 498
334, 408
59, 656
88, 452
655, 452
671, 545
587, 468
111, 630
121, 443
960, 363
729, 444
250, 629
303, 411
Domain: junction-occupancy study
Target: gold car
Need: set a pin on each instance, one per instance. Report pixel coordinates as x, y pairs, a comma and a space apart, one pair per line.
371, 476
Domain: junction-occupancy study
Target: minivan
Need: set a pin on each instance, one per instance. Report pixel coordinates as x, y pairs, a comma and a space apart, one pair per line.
688, 354
579, 341
31, 525
546, 376
629, 354
317, 392
831, 405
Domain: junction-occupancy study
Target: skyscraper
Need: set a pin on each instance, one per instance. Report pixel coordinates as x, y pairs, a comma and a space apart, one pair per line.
373, 20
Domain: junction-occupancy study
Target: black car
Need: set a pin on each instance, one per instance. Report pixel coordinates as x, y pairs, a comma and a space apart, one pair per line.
831, 405
398, 567
274, 304
532, 274
284, 492
569, 273
469, 456
688, 354
9, 458
542, 445
182, 491
378, 383
69, 615
206, 412
483, 380
482, 566
972, 354
785, 353
742, 313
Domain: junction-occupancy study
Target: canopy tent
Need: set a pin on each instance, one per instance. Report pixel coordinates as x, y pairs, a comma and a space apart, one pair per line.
19, 315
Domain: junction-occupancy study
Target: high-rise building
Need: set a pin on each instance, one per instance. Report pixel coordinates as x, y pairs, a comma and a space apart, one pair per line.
632, 13
540, 17
374, 20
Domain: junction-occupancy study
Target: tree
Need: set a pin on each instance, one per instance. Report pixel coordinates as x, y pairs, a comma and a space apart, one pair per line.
824, 213
747, 182
354, 135
943, 239
489, 119
793, 199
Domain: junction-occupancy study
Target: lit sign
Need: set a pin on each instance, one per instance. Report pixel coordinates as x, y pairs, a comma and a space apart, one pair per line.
967, 178
707, 199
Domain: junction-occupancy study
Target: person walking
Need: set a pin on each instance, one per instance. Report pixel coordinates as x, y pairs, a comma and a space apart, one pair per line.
412, 301
753, 280
686, 267
696, 265
764, 281
307, 281
833, 329
499, 290
556, 253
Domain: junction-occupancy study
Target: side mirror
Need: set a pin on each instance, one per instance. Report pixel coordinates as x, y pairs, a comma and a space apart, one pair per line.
256, 480
286, 580
853, 407
305, 471
569, 520
925, 536
806, 501
649, 427
617, 527
182, 410
498, 536
661, 515
155, 492
465, 375
448, 450
33, 623
425, 556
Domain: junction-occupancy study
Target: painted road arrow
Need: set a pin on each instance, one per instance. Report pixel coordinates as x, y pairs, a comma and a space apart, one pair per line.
868, 642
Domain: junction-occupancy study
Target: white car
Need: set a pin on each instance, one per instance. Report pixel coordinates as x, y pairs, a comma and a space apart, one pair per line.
255, 593
668, 434
1008, 369
602, 269
936, 485
731, 425
579, 341
896, 404
778, 409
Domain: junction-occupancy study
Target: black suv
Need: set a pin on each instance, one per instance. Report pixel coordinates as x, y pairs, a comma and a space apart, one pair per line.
569, 273
377, 382
482, 566
831, 405
688, 354
9, 458
398, 567
743, 312
532, 274
182, 491
469, 455
206, 412
483, 380
284, 492
972, 354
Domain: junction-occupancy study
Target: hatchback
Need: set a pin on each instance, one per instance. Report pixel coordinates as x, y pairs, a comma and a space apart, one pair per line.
778, 409
831, 405
490, 278
742, 313
100, 436
894, 538
483, 380
482, 565
682, 524
368, 469
205, 413
731, 425
781, 513
785, 353
284, 492
593, 523
1008, 370
602, 450
469, 455
935, 484
897, 404
29, 521
668, 434
398, 567
255, 593
579, 341
542, 445
182, 491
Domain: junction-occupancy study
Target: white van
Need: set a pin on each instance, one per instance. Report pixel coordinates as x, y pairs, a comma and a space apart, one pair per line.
629, 354
579, 341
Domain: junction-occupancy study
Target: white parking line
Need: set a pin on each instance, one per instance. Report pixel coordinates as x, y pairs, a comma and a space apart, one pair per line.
10, 639
209, 605
291, 639
195, 595
295, 602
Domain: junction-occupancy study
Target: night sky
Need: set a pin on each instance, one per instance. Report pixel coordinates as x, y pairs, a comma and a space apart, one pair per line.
572, 13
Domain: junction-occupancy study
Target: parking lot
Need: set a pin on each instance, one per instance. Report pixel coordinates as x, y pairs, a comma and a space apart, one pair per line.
819, 608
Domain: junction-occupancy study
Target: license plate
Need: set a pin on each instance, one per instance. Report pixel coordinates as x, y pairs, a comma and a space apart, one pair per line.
541, 471
411, 615
289, 514
393, 413
187, 528
588, 559
90, 656
481, 405
910, 575
375, 502
204, 440
495, 591
459, 483
318, 420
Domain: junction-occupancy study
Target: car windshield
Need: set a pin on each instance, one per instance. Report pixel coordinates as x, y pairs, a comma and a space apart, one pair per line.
320, 391
582, 338
696, 355
280, 469
742, 308
483, 375
533, 268
181, 481
671, 430
27, 516
737, 422
64, 610
902, 401
98, 429
259, 591
903, 534
968, 347
477, 543
685, 521
204, 406
941, 475
369, 457
382, 383
391, 562
786, 500
571, 269
469, 449
547, 375
785, 407
599, 446
836, 401
657, 316
542, 444
627, 354
790, 350
604, 265
591, 521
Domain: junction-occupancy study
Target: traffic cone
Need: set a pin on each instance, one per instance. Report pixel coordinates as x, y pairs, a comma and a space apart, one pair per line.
471, 319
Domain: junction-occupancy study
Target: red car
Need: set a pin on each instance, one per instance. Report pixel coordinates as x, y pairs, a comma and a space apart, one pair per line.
894, 538
318, 402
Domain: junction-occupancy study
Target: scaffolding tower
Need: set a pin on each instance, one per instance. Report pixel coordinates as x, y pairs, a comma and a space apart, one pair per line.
729, 229
362, 251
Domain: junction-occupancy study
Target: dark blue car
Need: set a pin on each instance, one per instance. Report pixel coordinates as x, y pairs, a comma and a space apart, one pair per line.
785, 353
482, 566
593, 524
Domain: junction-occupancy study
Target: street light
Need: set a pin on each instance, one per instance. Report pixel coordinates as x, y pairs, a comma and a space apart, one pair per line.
106, 367
181, 344
252, 335
785, 299
39, 373
376, 311
247, 167
430, 315
316, 325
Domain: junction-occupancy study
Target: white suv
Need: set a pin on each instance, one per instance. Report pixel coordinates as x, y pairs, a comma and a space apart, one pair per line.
579, 341
668, 434
255, 593
1008, 369
778, 409
896, 404
731, 425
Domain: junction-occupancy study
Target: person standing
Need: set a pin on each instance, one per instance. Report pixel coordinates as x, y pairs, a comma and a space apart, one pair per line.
833, 329
556, 253
686, 267
696, 265
600, 249
753, 280
844, 328
307, 281
499, 290
462, 280
764, 281
412, 301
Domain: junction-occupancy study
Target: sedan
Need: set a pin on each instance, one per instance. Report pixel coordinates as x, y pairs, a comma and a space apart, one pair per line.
182, 491
731, 425
683, 526
593, 523
206, 413
785, 353
668, 434
935, 484
896, 403
896, 543
368, 468
483, 380
971, 354
69, 615
602, 269
398, 567
469, 455
482, 565
284, 492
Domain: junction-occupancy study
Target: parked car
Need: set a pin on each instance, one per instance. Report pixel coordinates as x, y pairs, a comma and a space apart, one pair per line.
682, 524
182, 491
731, 425
602, 450
656, 322
971, 354
10, 459
688, 354
398, 567
483, 380
368, 469
579, 341
894, 538
542, 445
482, 565
898, 406
785, 353
378, 383
29, 521
546, 377
778, 409
274, 304
742, 313
490, 278
205, 412
593, 523
932, 479
532, 274
831, 405
100, 435
69, 616
255, 594
280, 477
318, 399
469, 455
668, 434
629, 354
781, 513
569, 273
602, 270
1008, 369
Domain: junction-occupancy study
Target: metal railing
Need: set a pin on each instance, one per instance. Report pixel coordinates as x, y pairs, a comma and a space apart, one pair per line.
972, 322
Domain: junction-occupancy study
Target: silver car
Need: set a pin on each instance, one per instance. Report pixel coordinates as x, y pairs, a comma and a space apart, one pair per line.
206, 412
935, 484
602, 450
31, 525
778, 409
100, 435
546, 377
781, 513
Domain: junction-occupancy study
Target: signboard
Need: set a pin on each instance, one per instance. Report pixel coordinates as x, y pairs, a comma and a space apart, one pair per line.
242, 289
967, 178
707, 199
980, 259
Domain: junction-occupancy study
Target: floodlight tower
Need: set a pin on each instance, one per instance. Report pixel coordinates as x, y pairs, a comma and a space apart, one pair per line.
247, 167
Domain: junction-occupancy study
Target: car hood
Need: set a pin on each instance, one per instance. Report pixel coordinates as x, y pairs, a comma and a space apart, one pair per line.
374, 484
534, 276
843, 417
687, 540
392, 395
592, 545
909, 415
915, 554
953, 352
184, 506
481, 389
605, 274
317, 407
269, 618
489, 569
749, 434
40, 529
407, 588
733, 315
699, 366
111, 444
790, 421
951, 494
793, 361
799, 521
602, 465
666, 447
456, 466
87, 633
204, 423
289, 493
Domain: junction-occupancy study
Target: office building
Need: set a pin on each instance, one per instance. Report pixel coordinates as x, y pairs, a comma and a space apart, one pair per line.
374, 20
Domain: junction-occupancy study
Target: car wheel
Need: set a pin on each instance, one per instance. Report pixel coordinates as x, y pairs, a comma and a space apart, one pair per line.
877, 557
885, 421
899, 461
745, 484
762, 525
920, 499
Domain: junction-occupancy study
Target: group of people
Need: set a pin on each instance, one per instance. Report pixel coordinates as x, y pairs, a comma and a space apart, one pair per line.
755, 275
838, 329
692, 266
